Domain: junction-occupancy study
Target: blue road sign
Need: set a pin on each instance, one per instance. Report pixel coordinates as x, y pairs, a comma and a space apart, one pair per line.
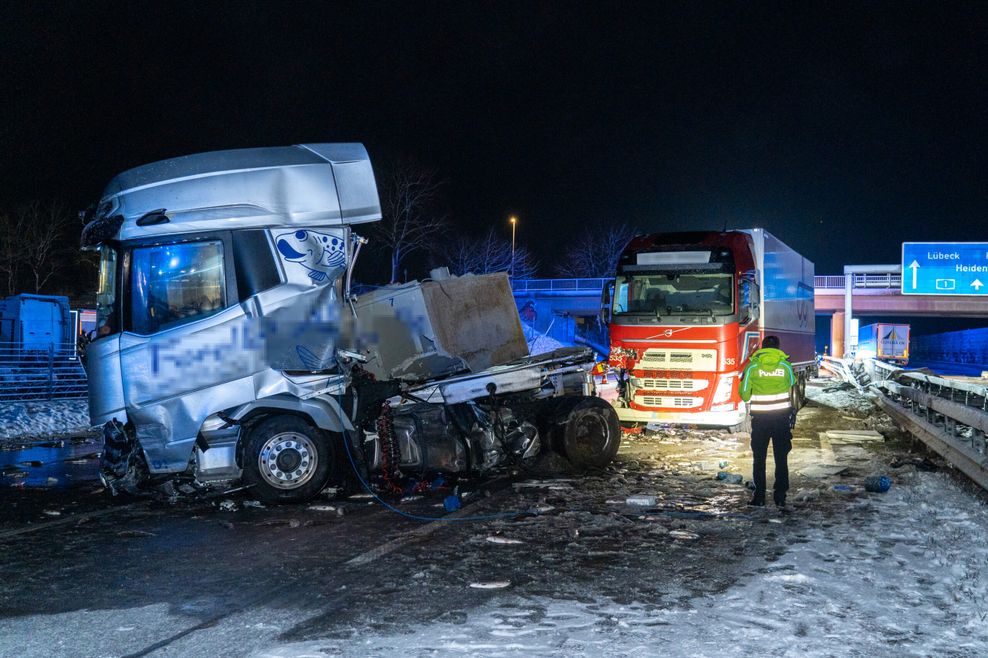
945, 268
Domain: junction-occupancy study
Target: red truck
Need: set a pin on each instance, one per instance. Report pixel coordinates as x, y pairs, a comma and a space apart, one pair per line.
686, 311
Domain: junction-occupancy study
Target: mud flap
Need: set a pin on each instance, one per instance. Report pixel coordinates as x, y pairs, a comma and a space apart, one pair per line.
122, 468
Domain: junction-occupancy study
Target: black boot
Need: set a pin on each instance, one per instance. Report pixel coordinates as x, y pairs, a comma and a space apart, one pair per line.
757, 501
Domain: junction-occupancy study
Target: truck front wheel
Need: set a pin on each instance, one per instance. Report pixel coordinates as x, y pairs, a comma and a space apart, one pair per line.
286, 460
588, 433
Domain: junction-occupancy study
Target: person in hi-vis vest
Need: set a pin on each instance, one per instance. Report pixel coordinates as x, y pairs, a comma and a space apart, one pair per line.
765, 385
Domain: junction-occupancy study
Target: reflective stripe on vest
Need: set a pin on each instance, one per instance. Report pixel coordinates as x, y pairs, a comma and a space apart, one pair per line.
772, 402
769, 406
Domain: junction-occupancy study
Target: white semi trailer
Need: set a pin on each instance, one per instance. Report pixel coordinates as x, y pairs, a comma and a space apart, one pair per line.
229, 346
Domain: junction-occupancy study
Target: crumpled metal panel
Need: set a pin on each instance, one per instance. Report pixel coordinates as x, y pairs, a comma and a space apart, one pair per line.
309, 185
169, 383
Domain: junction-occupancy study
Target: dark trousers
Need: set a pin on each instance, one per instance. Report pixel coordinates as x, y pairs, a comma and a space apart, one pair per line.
774, 428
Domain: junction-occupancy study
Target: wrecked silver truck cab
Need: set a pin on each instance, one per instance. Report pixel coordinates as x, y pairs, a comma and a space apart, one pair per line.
229, 346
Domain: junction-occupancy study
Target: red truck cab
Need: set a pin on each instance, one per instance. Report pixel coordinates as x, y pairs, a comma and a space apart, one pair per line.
688, 309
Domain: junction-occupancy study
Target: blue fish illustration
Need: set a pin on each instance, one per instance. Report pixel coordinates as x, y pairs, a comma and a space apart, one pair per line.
319, 253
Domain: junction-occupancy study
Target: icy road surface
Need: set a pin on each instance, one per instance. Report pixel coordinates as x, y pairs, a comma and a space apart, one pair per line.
582, 574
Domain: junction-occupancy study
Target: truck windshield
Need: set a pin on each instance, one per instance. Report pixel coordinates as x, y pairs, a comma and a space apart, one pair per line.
174, 284
107, 317
674, 293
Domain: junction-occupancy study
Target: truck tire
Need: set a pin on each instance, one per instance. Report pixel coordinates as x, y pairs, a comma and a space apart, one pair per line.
798, 392
587, 433
744, 427
286, 460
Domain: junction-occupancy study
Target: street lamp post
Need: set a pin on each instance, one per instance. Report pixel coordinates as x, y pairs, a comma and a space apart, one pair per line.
514, 222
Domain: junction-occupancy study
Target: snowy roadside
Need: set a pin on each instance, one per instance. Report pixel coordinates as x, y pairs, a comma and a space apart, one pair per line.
40, 419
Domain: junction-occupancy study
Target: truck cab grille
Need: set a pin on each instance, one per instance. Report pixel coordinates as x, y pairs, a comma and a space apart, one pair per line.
672, 385
695, 360
663, 401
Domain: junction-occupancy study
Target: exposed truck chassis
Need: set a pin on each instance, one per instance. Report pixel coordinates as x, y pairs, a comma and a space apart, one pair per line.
402, 434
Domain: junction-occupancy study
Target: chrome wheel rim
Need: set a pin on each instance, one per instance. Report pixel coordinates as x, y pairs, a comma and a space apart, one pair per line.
288, 460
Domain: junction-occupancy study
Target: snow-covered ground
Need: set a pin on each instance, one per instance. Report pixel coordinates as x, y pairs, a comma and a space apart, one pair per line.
877, 582
43, 418
903, 573
845, 573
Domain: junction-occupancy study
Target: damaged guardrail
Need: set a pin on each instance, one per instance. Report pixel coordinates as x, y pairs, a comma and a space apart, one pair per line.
950, 416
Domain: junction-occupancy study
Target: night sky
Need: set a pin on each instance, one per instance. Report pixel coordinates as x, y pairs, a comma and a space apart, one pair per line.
843, 128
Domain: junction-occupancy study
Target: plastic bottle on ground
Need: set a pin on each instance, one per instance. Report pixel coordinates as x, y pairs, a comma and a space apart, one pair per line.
877, 483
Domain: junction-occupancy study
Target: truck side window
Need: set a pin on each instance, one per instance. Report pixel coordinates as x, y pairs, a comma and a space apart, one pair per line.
107, 306
174, 284
255, 265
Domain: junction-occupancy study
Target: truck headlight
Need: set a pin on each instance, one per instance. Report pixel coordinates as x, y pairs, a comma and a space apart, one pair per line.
725, 387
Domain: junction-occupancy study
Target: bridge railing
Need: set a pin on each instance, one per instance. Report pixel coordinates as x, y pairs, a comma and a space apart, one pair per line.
871, 280
831, 281
559, 285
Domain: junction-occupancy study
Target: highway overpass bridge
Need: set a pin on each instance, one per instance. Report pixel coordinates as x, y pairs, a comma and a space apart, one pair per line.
559, 306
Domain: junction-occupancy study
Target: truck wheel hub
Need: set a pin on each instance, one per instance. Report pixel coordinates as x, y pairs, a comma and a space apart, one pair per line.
288, 460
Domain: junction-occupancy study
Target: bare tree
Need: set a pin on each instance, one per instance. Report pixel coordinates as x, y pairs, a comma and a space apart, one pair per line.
595, 251
12, 255
489, 253
42, 240
409, 197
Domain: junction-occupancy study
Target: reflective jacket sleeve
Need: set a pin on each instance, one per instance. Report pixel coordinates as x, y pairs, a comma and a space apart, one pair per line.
745, 387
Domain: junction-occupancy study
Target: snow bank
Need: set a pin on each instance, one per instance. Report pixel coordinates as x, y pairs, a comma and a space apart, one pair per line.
540, 343
36, 419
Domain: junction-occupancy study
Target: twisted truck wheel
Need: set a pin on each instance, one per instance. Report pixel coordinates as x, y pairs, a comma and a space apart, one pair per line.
588, 433
286, 460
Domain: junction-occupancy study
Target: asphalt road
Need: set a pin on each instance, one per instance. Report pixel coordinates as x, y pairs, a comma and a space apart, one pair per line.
83, 574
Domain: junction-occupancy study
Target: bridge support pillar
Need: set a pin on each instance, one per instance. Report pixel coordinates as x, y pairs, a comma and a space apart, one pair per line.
837, 335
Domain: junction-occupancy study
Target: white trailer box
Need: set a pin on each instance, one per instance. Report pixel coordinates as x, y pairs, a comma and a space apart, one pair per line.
787, 308
432, 328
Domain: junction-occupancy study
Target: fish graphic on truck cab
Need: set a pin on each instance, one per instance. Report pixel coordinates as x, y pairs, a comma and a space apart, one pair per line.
319, 253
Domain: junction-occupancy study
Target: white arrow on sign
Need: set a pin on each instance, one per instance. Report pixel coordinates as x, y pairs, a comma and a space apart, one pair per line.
977, 284
915, 266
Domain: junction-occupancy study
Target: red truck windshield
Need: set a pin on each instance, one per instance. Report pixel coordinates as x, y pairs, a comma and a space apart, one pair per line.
674, 293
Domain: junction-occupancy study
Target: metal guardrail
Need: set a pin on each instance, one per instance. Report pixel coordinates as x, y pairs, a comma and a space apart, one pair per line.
559, 285
948, 415
45, 373
871, 280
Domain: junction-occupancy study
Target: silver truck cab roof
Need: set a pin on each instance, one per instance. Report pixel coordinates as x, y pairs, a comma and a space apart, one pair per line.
307, 185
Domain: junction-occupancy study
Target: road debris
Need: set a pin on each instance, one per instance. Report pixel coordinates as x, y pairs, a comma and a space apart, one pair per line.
683, 534
496, 584
854, 436
497, 539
